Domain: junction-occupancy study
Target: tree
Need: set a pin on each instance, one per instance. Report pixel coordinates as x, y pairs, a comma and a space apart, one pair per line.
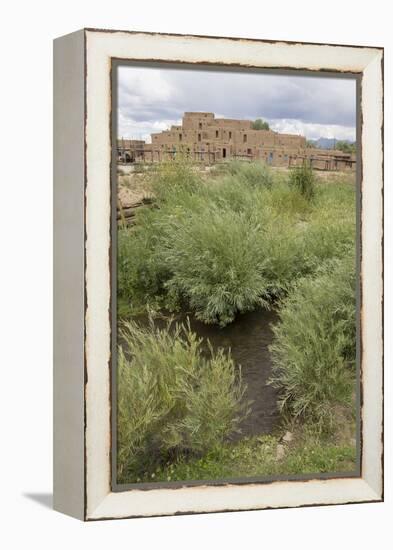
260, 124
345, 146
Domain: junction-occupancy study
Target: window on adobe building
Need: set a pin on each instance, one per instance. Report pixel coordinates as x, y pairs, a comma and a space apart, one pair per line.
230, 135
200, 125
249, 151
245, 138
216, 133
199, 137
180, 137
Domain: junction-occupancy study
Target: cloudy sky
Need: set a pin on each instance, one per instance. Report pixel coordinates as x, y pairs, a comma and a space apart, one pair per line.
152, 99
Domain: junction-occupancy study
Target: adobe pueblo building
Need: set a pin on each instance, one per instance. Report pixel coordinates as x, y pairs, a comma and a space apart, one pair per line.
209, 140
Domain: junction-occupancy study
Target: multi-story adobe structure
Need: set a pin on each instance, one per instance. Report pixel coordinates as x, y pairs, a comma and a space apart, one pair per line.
209, 140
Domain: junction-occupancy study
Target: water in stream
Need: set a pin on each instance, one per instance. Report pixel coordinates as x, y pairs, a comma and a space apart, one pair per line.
248, 337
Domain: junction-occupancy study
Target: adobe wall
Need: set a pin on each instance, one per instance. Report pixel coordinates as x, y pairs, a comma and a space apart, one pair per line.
209, 139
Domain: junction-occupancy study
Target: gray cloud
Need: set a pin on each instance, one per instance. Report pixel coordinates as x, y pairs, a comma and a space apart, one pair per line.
147, 97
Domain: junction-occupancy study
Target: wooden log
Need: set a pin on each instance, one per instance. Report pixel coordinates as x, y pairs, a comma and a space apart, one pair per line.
124, 213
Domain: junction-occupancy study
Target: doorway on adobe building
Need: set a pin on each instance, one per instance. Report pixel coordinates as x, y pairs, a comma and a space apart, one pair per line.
224, 153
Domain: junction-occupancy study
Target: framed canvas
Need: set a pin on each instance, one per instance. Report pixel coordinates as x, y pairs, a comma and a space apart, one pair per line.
218, 274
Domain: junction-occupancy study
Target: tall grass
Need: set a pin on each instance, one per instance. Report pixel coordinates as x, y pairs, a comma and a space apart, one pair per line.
175, 176
314, 344
248, 173
303, 178
230, 243
252, 457
173, 400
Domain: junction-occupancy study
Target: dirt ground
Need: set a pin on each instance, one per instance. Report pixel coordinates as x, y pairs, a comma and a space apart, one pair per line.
132, 189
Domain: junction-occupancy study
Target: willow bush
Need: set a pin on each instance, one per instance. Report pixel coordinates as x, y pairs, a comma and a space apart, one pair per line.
314, 347
173, 399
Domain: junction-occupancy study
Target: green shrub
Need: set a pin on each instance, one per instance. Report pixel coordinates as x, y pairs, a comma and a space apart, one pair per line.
314, 344
173, 176
141, 269
228, 245
303, 178
249, 173
172, 398
217, 263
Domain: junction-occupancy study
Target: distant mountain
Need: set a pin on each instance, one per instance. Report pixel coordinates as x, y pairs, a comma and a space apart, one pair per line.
328, 143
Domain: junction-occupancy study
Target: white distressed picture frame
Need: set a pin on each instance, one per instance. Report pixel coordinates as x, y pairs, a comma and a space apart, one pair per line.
82, 241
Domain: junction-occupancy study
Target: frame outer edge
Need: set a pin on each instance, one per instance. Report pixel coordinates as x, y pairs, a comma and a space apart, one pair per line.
372, 273
68, 289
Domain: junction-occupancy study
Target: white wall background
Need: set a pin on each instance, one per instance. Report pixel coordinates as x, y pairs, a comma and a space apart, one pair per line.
27, 29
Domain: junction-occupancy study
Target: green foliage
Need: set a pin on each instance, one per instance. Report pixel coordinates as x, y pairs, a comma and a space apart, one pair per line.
171, 177
345, 146
249, 173
314, 344
141, 270
172, 399
228, 244
257, 457
233, 241
303, 178
260, 124
142, 266
216, 260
